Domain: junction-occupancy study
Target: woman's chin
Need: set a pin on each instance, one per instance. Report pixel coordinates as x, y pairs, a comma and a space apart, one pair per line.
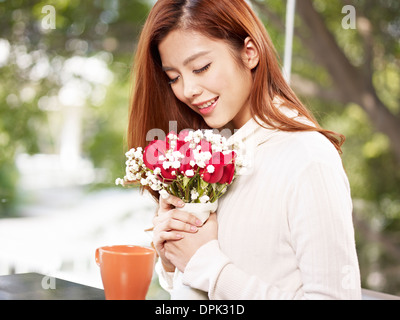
215, 124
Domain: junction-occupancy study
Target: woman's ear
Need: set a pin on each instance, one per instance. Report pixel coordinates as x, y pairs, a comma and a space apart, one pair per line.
250, 54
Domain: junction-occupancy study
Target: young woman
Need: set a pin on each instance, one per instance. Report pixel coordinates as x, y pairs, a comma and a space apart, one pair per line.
282, 231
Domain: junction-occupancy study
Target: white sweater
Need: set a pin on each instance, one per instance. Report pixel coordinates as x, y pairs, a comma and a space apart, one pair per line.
285, 228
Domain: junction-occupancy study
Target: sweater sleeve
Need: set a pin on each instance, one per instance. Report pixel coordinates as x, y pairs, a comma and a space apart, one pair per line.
165, 278
320, 221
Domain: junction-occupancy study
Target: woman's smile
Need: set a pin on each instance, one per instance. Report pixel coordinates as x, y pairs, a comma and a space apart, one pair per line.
207, 107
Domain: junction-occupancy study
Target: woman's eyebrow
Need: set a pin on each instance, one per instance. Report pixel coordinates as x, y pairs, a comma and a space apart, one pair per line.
188, 60
195, 56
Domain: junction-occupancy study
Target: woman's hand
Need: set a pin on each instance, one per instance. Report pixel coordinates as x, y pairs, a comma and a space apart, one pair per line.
178, 253
169, 225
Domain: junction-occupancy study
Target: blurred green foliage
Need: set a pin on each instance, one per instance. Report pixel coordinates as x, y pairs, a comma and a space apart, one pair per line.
31, 76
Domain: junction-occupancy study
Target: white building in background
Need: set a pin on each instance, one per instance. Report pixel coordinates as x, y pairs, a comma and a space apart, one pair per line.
83, 80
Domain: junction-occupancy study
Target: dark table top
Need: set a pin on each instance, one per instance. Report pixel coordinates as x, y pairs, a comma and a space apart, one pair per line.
35, 286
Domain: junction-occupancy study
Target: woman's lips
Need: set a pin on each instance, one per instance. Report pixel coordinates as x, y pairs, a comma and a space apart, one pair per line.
209, 109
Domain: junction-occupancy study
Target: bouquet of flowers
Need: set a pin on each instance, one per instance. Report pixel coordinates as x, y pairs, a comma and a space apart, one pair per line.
196, 166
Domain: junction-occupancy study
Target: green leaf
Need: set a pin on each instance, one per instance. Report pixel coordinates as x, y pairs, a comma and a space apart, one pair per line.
203, 184
185, 181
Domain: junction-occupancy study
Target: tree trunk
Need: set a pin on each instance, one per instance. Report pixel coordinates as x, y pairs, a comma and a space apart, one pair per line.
351, 83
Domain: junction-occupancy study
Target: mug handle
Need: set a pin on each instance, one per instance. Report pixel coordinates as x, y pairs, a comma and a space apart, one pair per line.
97, 256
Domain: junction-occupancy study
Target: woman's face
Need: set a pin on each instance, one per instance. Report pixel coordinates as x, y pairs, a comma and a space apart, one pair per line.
205, 75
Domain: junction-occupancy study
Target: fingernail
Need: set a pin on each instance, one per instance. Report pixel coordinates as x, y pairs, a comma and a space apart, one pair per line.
199, 223
179, 236
193, 228
181, 203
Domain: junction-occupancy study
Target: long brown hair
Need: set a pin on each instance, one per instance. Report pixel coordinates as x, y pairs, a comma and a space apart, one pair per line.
153, 104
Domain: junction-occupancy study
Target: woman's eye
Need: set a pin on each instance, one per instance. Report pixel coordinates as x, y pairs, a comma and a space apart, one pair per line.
202, 69
205, 68
172, 81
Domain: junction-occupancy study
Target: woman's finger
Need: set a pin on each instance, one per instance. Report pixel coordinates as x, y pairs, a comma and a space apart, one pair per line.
177, 215
171, 202
177, 225
168, 236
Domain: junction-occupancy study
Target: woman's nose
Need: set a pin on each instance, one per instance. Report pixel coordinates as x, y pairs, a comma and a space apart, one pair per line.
191, 89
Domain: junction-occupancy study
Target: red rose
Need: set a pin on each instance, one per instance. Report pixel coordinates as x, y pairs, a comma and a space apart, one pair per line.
151, 158
229, 169
224, 168
152, 152
217, 161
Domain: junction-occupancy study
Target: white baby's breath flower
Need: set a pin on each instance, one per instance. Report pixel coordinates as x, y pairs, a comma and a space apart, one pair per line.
134, 167
152, 180
210, 168
144, 182
156, 187
166, 165
138, 154
194, 194
216, 148
130, 176
177, 155
208, 134
173, 144
200, 163
189, 173
172, 136
131, 153
119, 181
176, 164
200, 134
189, 136
206, 155
157, 171
204, 199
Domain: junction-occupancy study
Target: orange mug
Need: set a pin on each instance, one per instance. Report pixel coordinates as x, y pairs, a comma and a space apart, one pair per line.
126, 271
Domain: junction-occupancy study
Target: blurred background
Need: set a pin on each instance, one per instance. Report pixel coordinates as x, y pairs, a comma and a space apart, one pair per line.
64, 98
